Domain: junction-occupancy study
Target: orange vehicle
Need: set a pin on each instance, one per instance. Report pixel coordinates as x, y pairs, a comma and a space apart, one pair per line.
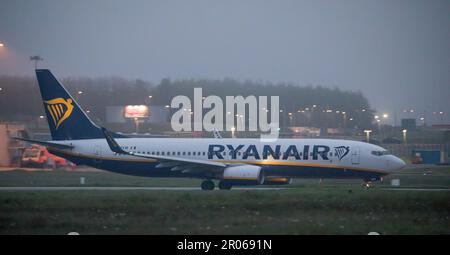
38, 156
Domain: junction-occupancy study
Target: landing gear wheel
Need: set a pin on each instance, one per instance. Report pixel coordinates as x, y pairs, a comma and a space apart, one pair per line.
207, 185
225, 186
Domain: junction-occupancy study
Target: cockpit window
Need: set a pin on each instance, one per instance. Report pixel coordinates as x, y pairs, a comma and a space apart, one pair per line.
380, 153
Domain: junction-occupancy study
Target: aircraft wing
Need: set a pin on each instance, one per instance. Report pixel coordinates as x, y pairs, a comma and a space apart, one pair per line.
177, 164
46, 144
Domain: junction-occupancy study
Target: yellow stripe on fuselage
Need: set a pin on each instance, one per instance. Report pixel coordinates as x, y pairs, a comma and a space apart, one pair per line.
295, 163
240, 178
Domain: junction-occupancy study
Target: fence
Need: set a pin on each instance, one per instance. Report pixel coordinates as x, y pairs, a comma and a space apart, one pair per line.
405, 150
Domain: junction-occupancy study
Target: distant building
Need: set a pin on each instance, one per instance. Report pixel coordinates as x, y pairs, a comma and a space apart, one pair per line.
443, 127
409, 124
157, 114
114, 114
305, 131
11, 149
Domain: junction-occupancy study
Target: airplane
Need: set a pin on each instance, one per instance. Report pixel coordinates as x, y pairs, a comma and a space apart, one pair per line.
233, 162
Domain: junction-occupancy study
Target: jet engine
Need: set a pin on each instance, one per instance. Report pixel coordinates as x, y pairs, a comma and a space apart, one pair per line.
277, 180
243, 175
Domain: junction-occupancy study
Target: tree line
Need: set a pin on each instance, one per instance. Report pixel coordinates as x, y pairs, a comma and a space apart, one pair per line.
316, 106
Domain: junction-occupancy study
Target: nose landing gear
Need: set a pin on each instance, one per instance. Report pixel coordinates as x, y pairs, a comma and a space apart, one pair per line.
367, 184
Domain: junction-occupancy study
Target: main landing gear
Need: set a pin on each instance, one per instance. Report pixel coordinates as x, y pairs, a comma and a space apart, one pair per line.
209, 185
224, 185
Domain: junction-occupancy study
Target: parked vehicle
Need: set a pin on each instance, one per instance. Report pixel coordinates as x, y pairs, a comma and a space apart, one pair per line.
38, 156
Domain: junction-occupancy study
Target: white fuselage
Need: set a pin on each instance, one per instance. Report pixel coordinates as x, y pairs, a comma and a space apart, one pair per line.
316, 155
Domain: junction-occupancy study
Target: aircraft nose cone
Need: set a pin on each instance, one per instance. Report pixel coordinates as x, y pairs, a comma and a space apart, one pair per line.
398, 163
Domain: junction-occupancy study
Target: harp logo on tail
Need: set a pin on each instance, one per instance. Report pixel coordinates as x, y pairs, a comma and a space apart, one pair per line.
341, 151
59, 109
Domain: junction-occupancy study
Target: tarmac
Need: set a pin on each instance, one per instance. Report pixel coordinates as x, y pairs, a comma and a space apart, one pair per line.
117, 188
175, 188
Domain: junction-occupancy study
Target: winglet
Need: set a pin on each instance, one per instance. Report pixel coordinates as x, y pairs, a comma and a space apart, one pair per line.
113, 145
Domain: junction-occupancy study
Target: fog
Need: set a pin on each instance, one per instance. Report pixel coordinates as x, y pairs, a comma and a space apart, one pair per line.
396, 52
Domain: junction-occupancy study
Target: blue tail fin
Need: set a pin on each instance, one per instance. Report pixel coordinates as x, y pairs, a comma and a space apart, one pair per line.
66, 119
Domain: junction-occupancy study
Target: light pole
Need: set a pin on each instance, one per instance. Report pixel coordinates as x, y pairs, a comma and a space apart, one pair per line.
368, 135
233, 129
36, 59
149, 98
344, 116
385, 116
404, 131
136, 122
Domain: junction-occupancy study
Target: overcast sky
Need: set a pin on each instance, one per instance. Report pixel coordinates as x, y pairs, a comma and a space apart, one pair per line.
397, 52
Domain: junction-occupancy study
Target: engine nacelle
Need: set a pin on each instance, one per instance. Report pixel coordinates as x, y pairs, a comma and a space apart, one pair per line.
243, 175
277, 180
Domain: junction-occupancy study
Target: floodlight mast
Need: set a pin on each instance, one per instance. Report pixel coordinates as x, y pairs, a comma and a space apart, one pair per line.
36, 59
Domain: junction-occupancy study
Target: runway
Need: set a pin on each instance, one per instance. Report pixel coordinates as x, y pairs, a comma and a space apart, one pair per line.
416, 189
119, 188
175, 189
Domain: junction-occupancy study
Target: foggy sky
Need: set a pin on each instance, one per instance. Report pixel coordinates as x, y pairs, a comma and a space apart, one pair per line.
397, 52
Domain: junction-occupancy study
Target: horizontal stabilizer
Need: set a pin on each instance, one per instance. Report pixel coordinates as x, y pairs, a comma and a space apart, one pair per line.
46, 144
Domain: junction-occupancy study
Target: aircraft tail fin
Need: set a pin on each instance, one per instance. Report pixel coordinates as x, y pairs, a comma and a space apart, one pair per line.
66, 119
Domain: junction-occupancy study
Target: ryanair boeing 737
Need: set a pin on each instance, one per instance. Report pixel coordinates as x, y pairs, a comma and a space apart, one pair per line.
230, 161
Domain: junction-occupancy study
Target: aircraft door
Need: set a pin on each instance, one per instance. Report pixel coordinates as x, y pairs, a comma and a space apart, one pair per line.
355, 155
97, 150
98, 153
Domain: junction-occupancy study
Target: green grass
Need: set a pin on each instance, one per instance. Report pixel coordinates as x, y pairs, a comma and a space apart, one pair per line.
421, 177
335, 207
20, 178
305, 211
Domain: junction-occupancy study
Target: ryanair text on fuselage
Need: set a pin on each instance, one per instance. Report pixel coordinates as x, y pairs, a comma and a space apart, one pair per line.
216, 151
